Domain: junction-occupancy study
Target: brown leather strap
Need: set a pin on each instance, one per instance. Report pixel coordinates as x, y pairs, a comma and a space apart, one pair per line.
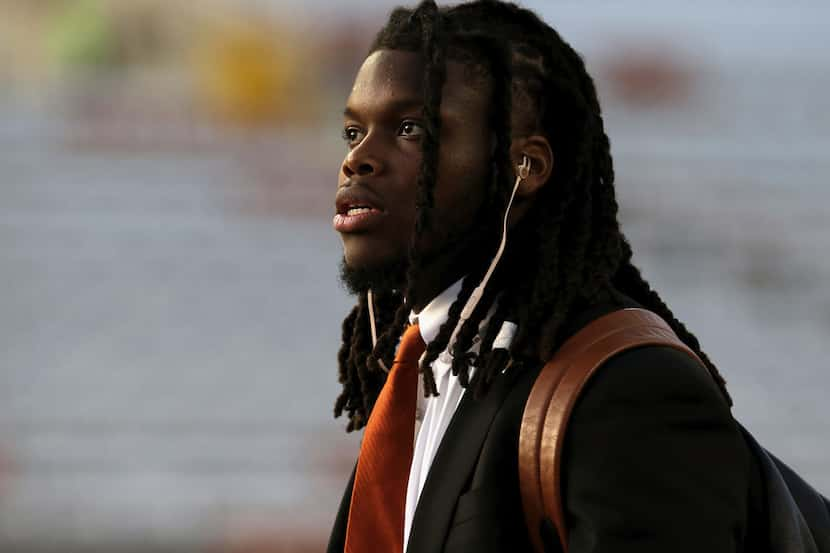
553, 397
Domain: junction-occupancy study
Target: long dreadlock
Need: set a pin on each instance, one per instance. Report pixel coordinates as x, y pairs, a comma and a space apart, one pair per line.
568, 249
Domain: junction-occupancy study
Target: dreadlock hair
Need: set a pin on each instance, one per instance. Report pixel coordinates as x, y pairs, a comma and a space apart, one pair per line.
567, 250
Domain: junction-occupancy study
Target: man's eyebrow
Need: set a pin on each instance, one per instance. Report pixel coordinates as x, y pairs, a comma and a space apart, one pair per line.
399, 105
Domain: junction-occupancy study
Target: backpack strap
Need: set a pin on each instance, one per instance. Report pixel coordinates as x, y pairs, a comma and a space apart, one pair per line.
553, 397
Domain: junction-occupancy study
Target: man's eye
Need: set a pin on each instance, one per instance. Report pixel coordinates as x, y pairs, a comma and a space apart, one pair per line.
352, 135
411, 129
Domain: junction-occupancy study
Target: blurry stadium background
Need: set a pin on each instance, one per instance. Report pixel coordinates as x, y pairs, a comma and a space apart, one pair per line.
169, 303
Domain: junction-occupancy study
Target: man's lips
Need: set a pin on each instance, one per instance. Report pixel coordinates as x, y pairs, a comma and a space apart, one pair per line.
357, 210
357, 219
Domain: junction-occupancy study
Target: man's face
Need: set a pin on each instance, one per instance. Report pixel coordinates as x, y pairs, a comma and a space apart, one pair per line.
383, 127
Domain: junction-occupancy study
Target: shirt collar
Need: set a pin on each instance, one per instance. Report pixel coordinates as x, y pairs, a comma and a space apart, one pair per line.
436, 312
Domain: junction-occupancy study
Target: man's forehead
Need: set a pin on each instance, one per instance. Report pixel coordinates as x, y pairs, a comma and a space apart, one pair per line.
392, 66
397, 76
388, 75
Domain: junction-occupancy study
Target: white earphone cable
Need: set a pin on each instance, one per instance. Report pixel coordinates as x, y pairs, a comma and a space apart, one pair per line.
370, 299
475, 297
507, 332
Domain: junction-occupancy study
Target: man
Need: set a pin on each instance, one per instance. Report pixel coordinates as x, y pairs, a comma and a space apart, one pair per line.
465, 122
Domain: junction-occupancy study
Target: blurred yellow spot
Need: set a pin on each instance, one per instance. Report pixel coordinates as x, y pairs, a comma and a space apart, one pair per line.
246, 78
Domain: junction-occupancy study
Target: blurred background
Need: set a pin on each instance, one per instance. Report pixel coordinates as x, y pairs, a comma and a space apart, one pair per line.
169, 301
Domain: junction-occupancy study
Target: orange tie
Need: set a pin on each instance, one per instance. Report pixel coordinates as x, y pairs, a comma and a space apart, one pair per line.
379, 495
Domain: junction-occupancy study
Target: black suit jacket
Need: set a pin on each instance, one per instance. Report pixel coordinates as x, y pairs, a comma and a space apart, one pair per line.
653, 462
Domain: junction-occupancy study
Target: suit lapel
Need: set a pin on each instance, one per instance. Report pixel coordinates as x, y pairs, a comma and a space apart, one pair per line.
337, 540
453, 464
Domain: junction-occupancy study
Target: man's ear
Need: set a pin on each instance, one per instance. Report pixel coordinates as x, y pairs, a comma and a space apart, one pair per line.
539, 153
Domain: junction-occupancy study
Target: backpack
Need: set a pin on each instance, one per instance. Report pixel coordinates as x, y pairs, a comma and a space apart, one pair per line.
799, 516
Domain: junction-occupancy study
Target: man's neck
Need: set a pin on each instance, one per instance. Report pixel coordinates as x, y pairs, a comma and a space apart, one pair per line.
433, 283
467, 254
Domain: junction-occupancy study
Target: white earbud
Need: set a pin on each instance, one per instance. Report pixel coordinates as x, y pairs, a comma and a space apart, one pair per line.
524, 168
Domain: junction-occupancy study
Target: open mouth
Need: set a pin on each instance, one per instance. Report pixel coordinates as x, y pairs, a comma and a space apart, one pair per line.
356, 218
356, 210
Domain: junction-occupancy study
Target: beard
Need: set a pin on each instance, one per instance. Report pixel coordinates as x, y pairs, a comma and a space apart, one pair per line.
465, 246
387, 278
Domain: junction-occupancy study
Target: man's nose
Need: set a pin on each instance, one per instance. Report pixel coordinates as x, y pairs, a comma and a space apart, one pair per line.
362, 161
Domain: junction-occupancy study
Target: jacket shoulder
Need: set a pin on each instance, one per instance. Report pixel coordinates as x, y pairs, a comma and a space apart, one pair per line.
652, 374
653, 456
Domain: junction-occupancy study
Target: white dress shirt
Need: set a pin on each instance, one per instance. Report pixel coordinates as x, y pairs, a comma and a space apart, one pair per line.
434, 413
